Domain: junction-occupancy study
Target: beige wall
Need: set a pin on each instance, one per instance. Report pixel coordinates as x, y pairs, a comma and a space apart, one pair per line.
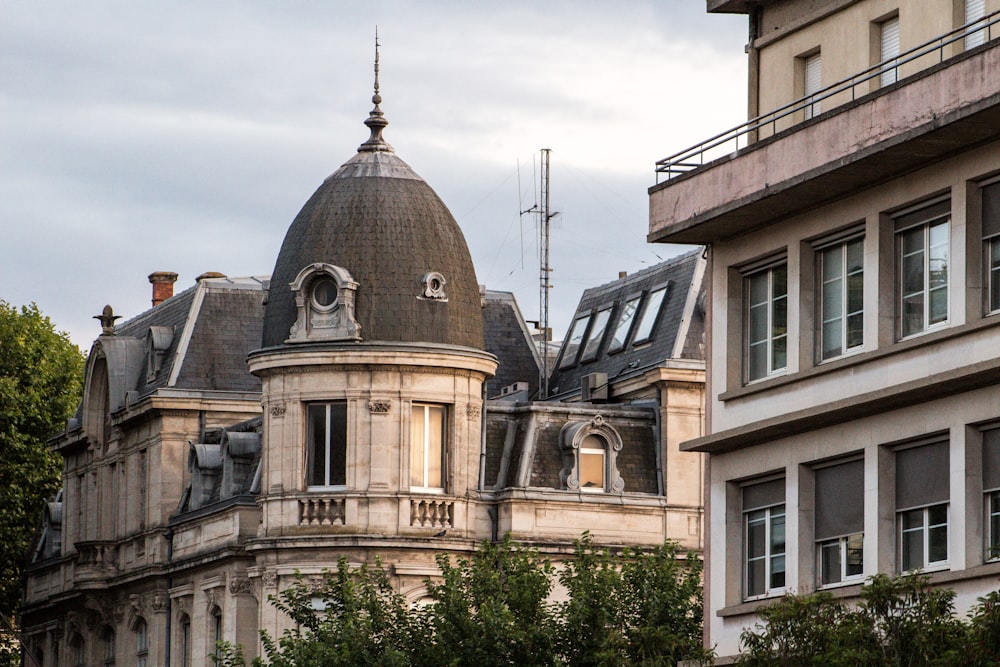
848, 42
874, 369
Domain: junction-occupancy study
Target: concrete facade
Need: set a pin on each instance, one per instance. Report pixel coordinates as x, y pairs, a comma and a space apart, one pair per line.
847, 440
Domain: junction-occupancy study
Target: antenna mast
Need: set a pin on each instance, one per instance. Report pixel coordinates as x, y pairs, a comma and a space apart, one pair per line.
544, 284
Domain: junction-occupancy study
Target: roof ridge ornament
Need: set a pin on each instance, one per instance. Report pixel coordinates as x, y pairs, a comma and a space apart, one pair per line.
376, 121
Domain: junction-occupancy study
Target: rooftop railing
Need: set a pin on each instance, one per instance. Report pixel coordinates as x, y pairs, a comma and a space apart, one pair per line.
980, 31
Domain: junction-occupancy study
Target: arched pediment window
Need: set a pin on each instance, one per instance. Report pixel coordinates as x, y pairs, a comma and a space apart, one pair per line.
96, 412
590, 457
324, 301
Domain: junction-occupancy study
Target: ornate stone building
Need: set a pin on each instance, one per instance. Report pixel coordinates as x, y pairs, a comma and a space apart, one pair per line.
247, 429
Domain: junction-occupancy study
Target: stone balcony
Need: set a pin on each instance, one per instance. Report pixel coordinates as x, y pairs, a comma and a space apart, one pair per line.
928, 116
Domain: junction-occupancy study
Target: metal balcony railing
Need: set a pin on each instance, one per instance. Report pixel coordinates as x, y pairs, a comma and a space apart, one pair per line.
730, 141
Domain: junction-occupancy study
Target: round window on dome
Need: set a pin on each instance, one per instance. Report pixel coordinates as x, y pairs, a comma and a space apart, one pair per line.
324, 293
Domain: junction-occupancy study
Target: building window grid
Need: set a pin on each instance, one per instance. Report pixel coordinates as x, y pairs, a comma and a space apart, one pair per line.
764, 551
428, 446
842, 298
923, 538
923, 276
767, 322
993, 524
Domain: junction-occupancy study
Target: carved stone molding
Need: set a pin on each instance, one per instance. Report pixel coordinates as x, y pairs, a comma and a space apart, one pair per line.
241, 586
278, 410
158, 603
473, 411
379, 406
269, 578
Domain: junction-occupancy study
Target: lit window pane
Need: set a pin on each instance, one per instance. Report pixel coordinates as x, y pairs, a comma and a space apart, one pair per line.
416, 446
591, 470
435, 446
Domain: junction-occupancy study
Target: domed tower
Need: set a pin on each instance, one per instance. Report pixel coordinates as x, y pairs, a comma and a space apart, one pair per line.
373, 369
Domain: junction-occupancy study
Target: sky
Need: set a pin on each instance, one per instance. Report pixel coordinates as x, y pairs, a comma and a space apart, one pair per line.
140, 136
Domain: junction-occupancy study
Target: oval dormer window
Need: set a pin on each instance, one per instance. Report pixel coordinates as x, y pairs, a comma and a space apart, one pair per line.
324, 294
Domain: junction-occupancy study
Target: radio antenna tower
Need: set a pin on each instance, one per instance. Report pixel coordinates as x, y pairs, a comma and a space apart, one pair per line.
545, 215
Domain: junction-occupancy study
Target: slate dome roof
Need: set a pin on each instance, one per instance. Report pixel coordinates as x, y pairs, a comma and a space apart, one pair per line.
378, 219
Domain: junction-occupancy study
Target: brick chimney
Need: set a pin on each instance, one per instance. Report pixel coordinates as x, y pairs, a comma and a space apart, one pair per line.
163, 285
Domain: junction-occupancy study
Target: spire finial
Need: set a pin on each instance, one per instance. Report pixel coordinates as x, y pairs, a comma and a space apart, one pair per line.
376, 121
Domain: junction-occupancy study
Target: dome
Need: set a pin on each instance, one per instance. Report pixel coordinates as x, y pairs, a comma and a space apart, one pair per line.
376, 219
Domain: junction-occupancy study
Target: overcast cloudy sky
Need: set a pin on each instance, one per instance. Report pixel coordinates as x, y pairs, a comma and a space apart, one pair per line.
184, 136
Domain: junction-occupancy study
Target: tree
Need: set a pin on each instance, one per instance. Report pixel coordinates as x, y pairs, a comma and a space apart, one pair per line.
900, 621
41, 378
494, 609
632, 608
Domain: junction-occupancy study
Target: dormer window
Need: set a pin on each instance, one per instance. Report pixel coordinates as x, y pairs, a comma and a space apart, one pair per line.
324, 299
590, 457
433, 286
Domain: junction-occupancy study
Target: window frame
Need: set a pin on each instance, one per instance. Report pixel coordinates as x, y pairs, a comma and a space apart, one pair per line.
923, 531
991, 491
601, 451
769, 513
770, 337
842, 244
108, 636
923, 217
569, 359
844, 549
591, 347
445, 413
991, 247
141, 631
812, 73
328, 445
651, 307
628, 324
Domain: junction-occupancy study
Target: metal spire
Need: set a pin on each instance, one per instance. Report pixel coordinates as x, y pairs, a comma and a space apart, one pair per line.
376, 121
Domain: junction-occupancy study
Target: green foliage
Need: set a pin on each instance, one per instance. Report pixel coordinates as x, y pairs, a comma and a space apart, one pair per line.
41, 378
494, 609
636, 608
901, 621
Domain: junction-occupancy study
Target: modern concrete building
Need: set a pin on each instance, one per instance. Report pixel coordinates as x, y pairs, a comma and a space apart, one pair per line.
853, 235
245, 430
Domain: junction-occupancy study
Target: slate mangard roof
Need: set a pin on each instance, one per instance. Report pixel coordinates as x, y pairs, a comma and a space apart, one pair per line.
379, 220
631, 341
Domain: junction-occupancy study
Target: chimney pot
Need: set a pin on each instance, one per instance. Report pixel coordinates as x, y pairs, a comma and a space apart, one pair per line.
163, 285
209, 274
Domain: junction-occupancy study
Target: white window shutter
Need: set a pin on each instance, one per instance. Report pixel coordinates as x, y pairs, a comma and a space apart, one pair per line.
813, 82
974, 10
889, 50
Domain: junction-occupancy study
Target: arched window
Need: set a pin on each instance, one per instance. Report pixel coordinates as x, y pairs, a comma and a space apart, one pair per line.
185, 641
141, 643
108, 638
78, 650
590, 454
215, 630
